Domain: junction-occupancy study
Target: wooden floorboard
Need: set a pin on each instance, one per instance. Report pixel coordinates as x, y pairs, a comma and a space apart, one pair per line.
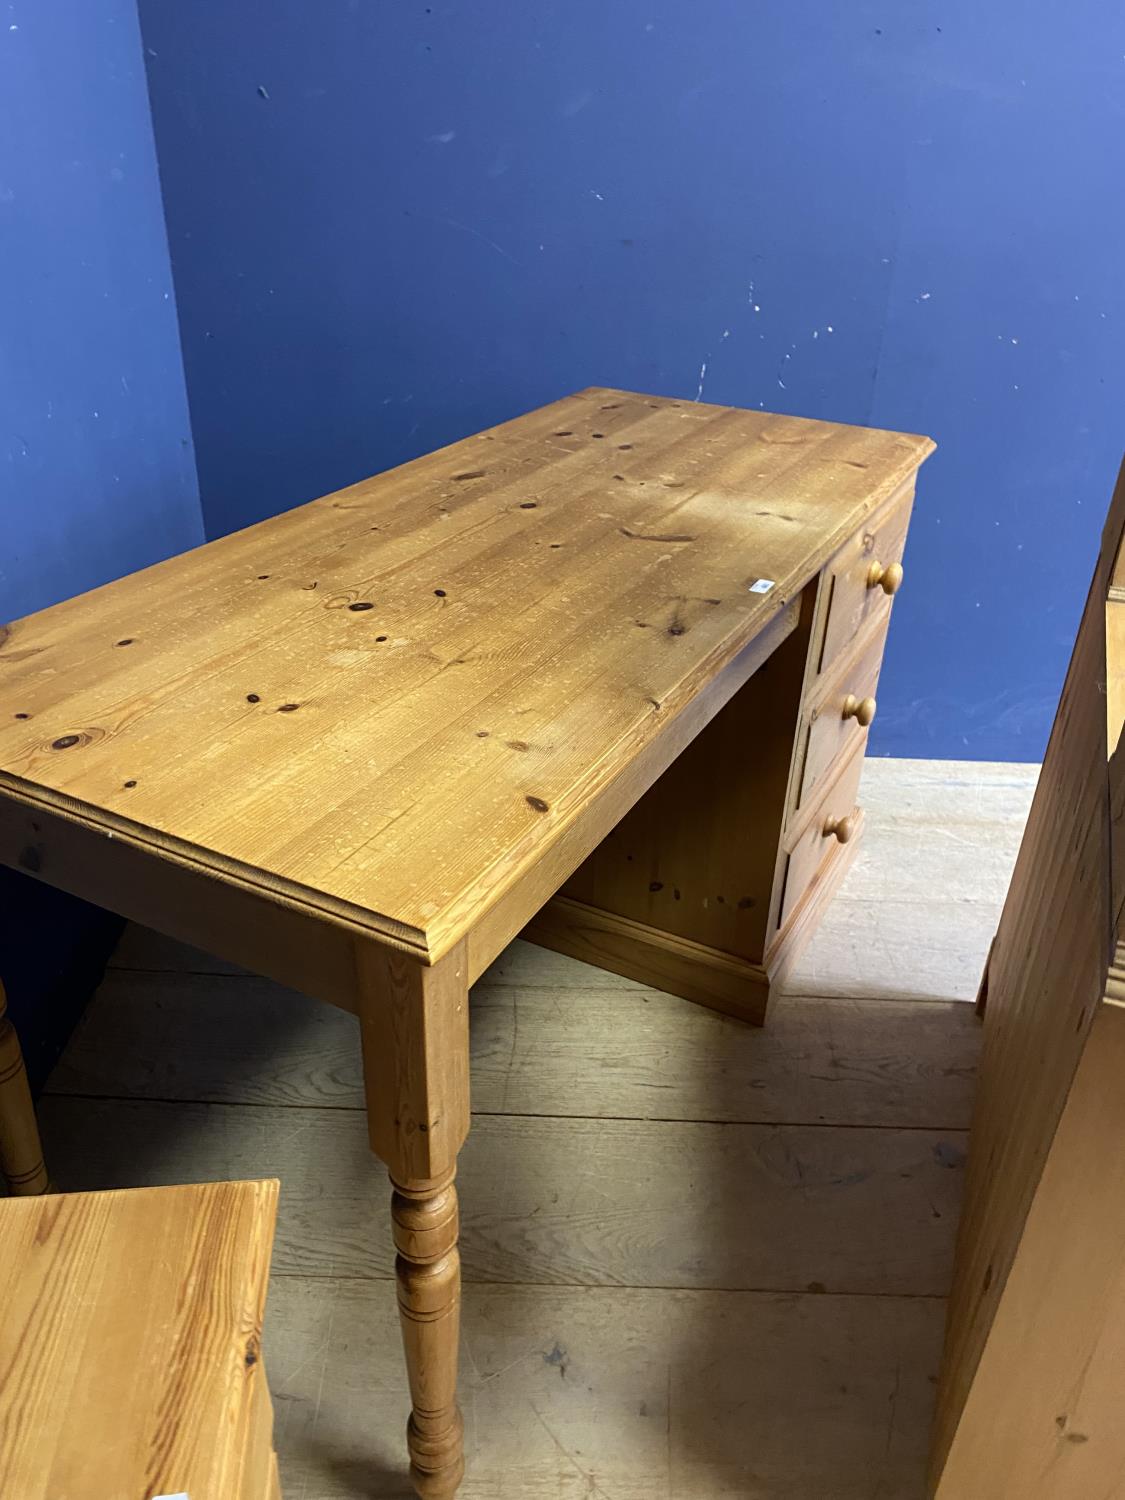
581, 1202
595, 1394
601, 1050
703, 1261
918, 909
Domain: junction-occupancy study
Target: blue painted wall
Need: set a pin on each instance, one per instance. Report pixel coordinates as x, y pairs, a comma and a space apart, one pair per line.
392, 224
96, 468
96, 463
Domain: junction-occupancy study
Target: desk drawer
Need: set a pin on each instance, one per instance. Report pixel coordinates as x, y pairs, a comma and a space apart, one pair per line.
831, 825
861, 579
837, 722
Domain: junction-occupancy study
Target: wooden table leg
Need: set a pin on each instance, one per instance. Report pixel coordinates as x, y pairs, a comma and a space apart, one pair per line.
415, 1028
428, 1270
21, 1152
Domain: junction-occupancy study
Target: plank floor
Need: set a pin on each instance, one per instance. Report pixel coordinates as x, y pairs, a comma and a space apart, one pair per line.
702, 1261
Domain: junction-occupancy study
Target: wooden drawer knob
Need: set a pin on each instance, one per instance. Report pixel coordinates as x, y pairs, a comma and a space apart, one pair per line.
840, 829
862, 710
887, 579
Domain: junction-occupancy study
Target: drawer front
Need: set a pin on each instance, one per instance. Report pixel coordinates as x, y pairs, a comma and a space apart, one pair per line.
831, 825
838, 721
861, 579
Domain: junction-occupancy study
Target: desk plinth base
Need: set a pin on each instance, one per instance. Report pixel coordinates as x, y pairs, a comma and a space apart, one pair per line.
721, 981
670, 963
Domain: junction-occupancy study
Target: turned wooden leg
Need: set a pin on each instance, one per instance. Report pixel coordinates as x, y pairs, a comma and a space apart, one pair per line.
428, 1271
21, 1152
415, 1027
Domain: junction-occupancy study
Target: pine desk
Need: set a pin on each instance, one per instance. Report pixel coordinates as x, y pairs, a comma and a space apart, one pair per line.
605, 670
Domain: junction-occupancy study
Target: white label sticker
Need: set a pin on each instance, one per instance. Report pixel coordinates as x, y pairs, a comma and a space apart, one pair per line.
761, 586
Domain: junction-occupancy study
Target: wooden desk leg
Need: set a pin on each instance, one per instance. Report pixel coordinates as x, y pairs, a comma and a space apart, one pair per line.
21, 1152
415, 1028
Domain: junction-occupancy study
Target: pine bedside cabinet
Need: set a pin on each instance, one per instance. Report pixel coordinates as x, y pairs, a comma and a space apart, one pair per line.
130, 1345
606, 670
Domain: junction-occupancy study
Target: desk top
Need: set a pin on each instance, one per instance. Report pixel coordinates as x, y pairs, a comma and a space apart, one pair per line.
386, 705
